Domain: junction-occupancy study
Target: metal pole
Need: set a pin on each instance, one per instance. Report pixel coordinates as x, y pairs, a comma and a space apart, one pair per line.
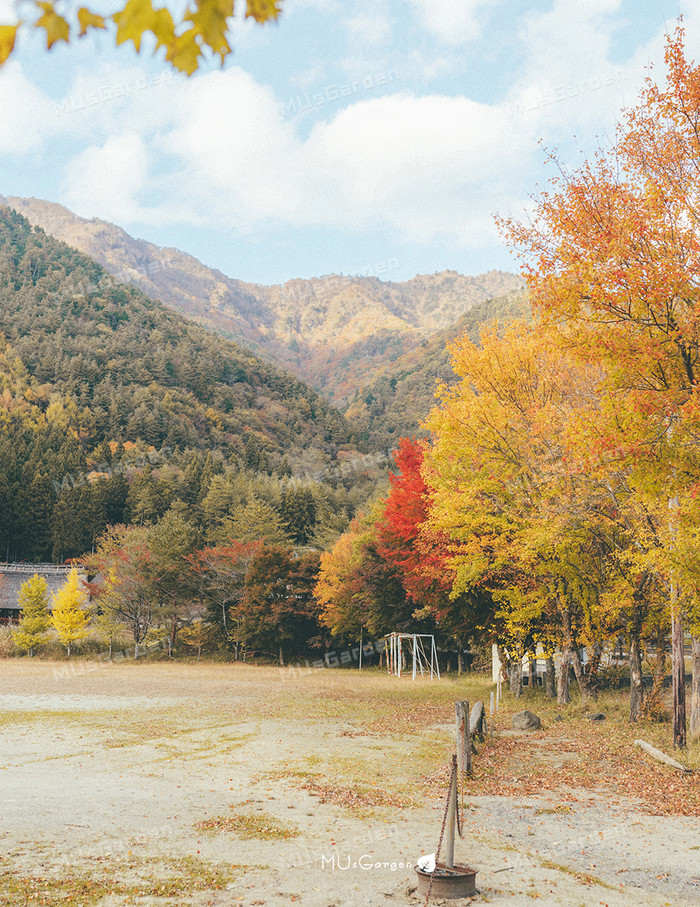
451, 818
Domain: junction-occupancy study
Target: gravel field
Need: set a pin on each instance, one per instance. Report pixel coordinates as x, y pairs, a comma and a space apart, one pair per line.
167, 784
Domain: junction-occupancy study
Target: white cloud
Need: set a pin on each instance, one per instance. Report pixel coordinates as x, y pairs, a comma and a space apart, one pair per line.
570, 81
418, 165
9, 13
219, 149
225, 155
27, 115
106, 180
238, 156
455, 22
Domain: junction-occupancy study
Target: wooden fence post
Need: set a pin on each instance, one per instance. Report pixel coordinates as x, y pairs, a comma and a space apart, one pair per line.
464, 744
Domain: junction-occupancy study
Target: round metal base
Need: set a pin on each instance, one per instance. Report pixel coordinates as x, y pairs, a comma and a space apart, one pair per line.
456, 882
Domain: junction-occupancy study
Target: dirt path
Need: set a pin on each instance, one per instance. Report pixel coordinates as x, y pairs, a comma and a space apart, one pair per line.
204, 785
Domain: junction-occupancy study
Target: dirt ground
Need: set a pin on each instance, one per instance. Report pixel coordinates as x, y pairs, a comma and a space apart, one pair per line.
165, 784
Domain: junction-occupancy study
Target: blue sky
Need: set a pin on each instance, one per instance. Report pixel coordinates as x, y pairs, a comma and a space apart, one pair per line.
377, 137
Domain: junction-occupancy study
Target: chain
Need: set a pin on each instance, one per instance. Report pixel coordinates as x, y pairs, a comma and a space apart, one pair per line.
444, 822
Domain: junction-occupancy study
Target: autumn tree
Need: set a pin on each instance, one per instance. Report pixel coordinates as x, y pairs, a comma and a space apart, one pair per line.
70, 615
612, 255
257, 521
528, 526
106, 620
35, 619
279, 604
339, 588
421, 554
124, 559
187, 35
196, 635
218, 578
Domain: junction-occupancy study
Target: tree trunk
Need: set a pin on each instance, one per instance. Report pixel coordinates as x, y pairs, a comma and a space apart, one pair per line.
549, 679
563, 679
516, 677
678, 674
695, 695
281, 656
580, 675
68, 648
593, 668
636, 688
660, 666
460, 666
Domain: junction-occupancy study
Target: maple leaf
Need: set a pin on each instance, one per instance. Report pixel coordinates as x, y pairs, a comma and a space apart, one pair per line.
56, 27
210, 21
262, 10
8, 34
183, 51
88, 20
137, 17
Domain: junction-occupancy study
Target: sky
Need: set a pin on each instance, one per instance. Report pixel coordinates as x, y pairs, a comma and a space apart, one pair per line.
375, 137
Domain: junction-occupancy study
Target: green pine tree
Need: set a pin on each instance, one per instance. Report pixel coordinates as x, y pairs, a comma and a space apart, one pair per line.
257, 521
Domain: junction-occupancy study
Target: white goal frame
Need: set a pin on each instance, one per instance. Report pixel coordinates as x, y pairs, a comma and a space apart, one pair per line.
421, 661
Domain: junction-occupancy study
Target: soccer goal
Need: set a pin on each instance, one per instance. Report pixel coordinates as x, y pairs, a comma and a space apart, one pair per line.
419, 651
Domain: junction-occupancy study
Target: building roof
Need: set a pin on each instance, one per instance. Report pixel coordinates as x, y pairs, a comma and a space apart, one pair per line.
13, 575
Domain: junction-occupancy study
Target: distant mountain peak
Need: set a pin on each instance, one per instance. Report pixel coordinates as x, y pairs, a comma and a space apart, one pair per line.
330, 331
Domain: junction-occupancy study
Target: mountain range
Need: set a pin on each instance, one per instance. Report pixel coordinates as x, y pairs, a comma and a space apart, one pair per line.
331, 331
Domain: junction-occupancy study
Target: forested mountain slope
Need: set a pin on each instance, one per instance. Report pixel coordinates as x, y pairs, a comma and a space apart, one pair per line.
93, 374
135, 369
330, 331
394, 403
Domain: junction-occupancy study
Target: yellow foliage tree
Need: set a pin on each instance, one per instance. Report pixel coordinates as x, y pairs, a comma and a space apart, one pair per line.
203, 26
35, 620
70, 616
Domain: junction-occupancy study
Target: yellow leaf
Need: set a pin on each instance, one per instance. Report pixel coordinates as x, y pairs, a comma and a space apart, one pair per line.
137, 17
183, 52
56, 27
262, 10
89, 20
8, 33
163, 28
210, 20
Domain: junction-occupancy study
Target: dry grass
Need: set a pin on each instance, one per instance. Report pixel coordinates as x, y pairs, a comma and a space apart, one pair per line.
129, 880
573, 754
257, 825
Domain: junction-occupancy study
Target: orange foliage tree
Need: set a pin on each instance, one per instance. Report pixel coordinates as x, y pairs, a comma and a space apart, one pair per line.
613, 259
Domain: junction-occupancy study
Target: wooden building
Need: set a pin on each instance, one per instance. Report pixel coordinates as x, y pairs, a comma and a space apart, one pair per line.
13, 575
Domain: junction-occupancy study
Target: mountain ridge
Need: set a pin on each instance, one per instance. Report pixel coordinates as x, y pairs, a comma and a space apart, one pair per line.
330, 331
